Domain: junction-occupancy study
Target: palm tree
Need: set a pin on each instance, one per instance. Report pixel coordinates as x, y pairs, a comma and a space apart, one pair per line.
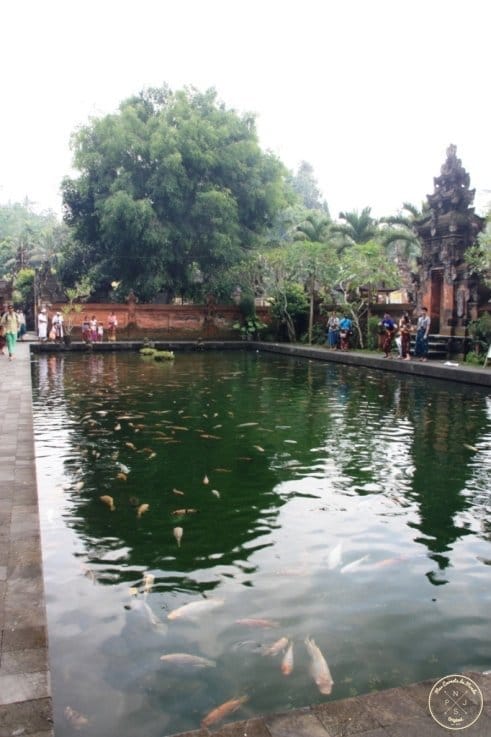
401, 239
315, 228
357, 228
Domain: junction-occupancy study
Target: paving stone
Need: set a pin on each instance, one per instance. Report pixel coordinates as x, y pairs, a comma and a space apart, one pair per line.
246, 728
23, 687
298, 723
427, 727
33, 716
346, 717
392, 705
24, 638
23, 661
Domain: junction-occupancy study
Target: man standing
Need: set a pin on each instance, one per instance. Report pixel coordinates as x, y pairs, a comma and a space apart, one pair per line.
422, 330
43, 325
10, 323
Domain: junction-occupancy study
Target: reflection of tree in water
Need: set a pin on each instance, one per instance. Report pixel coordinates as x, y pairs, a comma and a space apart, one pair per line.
370, 424
444, 422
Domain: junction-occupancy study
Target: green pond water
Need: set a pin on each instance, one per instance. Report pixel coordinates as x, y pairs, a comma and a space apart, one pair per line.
343, 504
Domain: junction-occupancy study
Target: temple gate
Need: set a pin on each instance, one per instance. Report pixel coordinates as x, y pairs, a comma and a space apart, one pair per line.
449, 226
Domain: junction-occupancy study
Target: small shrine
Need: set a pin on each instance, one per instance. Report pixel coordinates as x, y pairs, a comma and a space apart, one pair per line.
449, 226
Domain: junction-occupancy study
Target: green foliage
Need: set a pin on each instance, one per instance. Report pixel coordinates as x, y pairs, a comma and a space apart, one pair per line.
373, 331
478, 256
251, 326
171, 185
28, 239
247, 305
24, 285
318, 335
480, 331
76, 294
475, 359
147, 351
164, 356
357, 228
305, 187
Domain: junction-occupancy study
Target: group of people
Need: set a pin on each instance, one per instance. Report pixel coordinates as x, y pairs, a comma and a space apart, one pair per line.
12, 328
92, 328
57, 329
339, 331
401, 332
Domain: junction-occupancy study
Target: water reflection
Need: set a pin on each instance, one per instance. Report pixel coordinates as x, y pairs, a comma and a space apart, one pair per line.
348, 506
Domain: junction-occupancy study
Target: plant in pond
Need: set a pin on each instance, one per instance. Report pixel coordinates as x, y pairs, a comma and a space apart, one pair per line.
76, 294
480, 333
250, 328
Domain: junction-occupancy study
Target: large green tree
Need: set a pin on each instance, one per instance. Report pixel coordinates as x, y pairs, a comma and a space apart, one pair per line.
172, 188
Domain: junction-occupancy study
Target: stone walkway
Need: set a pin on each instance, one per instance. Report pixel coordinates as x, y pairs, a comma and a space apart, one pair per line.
25, 695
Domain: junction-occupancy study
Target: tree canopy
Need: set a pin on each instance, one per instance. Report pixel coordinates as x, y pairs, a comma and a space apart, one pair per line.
172, 187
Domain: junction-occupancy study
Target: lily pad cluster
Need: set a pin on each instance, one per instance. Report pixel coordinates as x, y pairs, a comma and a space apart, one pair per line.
157, 355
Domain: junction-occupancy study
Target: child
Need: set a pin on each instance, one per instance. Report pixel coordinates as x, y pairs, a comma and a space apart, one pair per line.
100, 332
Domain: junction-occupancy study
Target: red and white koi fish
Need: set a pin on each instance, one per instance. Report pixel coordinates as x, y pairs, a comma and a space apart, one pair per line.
216, 715
287, 662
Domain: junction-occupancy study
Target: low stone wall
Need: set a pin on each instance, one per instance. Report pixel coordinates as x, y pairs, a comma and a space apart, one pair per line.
164, 322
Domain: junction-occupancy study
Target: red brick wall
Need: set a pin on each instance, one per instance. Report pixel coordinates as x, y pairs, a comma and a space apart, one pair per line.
163, 322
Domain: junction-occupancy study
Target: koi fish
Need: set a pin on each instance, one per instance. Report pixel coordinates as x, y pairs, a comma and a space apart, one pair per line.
258, 448
124, 468
142, 509
106, 499
206, 480
287, 662
319, 669
334, 556
470, 447
195, 609
207, 436
216, 493
252, 622
185, 659
248, 424
176, 491
180, 512
216, 715
148, 581
117, 427
354, 564
121, 476
75, 718
276, 647
178, 531
132, 446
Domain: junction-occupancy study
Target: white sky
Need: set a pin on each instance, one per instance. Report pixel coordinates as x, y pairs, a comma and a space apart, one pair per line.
370, 92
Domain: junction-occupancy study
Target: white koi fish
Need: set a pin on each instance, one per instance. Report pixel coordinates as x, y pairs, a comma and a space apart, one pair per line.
334, 556
195, 609
185, 659
354, 565
75, 718
319, 669
178, 531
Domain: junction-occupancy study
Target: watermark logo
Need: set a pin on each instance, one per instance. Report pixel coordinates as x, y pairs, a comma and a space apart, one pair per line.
455, 702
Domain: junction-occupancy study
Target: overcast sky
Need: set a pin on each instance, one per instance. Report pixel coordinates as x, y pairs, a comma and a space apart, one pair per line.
370, 92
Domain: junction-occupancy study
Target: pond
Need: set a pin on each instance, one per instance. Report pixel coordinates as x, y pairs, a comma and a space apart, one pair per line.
291, 499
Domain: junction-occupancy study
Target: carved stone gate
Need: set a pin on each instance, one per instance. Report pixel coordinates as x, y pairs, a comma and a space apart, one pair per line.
447, 229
